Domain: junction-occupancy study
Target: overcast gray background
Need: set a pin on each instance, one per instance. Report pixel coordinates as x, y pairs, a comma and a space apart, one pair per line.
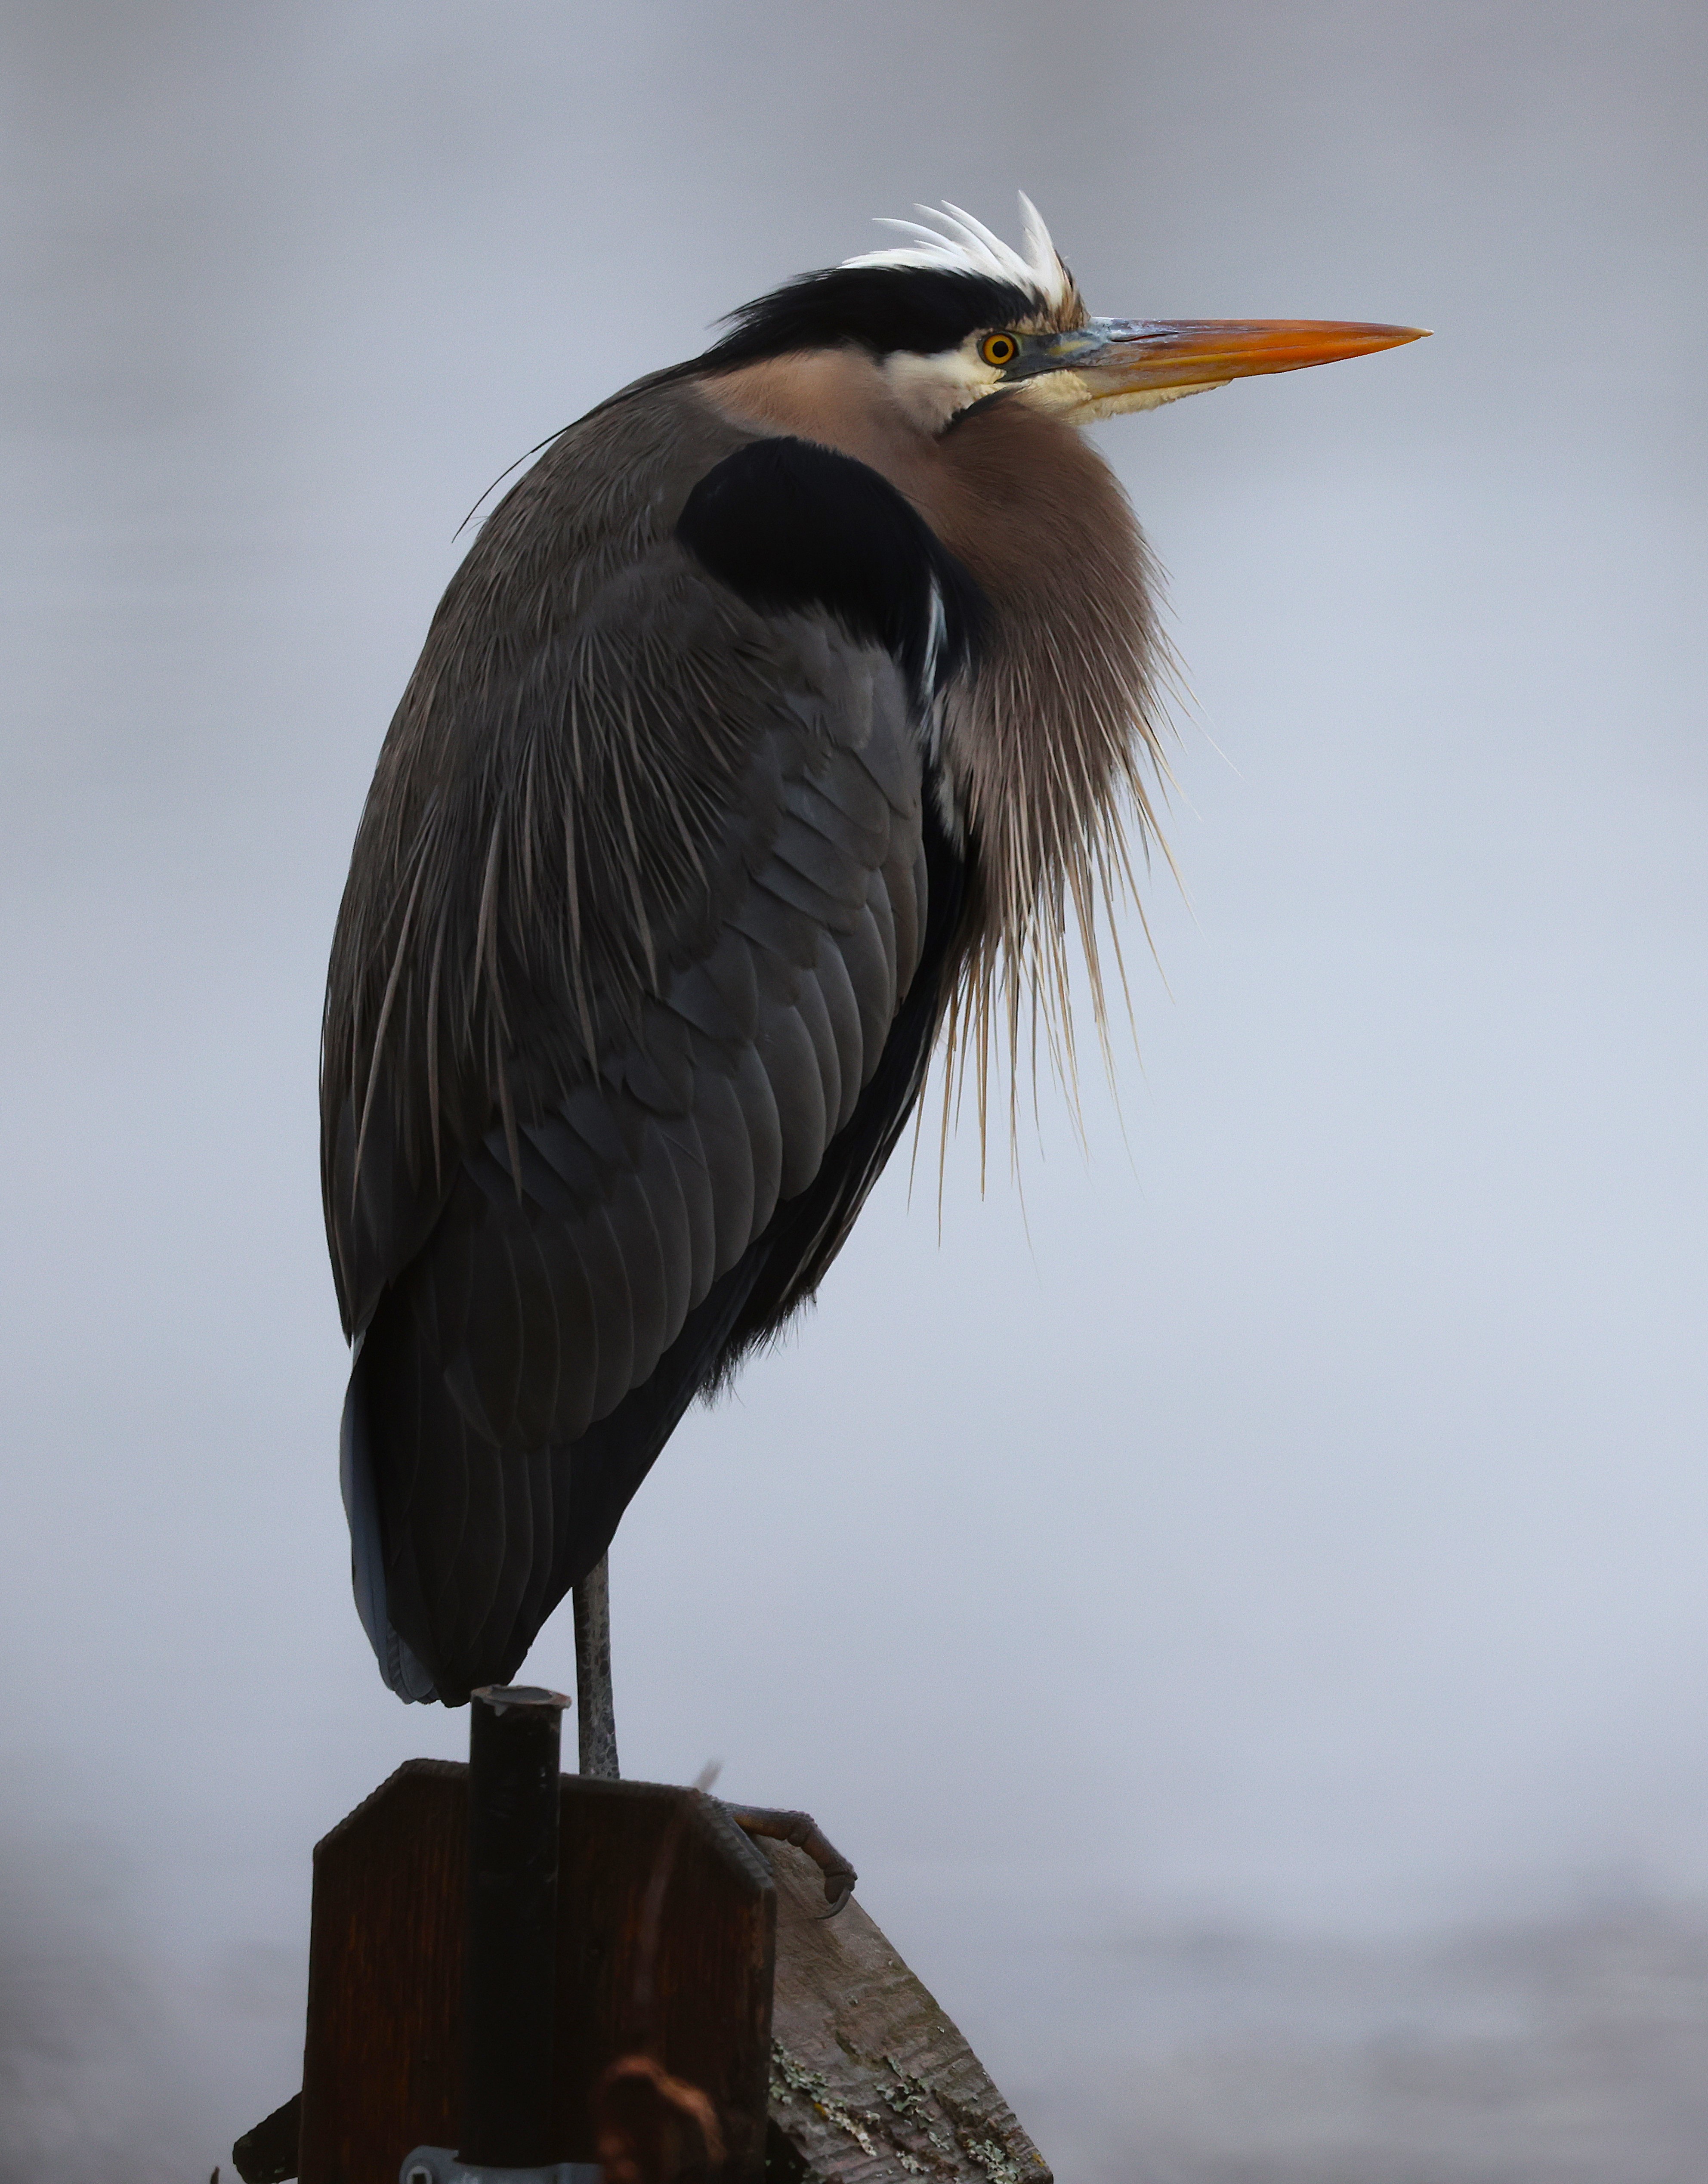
1198, 1606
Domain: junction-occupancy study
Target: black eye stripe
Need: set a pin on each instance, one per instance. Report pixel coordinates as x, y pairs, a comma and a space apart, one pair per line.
883, 308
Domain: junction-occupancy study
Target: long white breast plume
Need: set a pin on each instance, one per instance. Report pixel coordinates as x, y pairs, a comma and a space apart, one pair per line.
966, 245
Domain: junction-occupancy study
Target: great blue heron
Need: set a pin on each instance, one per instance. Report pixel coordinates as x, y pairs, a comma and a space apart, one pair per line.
784, 717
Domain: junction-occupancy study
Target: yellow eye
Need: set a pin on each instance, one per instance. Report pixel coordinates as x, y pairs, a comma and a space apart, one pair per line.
999, 349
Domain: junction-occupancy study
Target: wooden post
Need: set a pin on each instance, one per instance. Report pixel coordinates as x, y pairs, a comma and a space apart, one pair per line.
665, 1938
703, 2002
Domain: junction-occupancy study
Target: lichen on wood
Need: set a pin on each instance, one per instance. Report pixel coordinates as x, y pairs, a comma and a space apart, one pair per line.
869, 2080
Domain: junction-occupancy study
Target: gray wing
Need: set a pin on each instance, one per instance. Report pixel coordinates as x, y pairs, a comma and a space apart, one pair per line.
605, 1062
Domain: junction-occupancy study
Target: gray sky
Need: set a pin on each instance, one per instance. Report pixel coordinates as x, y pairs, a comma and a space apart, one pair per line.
1299, 1515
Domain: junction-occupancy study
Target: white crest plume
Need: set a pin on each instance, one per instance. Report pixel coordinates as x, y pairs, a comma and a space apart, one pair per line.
966, 245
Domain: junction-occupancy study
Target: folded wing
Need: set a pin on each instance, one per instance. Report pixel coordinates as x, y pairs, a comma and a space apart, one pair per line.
643, 950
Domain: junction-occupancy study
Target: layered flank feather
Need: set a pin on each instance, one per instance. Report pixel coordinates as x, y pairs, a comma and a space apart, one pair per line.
634, 984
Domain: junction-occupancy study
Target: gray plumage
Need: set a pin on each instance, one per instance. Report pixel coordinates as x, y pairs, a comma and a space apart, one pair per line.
589, 1072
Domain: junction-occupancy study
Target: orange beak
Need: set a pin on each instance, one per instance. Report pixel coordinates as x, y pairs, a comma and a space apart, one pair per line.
1135, 355
1113, 365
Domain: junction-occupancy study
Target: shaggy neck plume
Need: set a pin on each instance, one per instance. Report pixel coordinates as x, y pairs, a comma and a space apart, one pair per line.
1052, 741
1049, 746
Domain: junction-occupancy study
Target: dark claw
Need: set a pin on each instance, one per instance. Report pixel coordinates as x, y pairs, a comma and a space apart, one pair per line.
803, 1831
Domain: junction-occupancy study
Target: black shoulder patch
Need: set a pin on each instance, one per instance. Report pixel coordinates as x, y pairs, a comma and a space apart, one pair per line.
789, 524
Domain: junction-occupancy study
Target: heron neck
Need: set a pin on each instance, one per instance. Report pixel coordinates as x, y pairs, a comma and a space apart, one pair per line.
837, 397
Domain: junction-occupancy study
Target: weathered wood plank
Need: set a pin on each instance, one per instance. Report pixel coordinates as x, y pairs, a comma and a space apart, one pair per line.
870, 2082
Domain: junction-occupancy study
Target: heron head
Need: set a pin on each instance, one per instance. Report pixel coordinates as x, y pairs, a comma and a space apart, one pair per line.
955, 318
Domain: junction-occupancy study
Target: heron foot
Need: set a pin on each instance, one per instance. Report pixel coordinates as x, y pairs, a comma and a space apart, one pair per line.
803, 1831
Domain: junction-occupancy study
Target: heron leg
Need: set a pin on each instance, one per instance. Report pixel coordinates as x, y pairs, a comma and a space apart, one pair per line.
803, 1831
596, 1725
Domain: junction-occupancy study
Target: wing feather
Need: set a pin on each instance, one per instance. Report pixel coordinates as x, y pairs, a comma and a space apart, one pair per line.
655, 1029
785, 1054
835, 988
687, 1153
765, 1125
813, 1013
643, 1245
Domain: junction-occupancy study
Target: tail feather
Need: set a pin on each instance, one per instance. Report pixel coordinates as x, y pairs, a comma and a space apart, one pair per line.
402, 1670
